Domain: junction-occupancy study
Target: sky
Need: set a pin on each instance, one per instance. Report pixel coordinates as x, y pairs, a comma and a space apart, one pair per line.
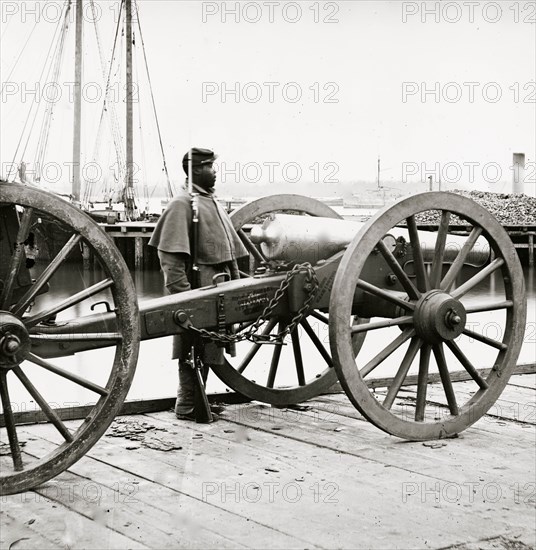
297, 95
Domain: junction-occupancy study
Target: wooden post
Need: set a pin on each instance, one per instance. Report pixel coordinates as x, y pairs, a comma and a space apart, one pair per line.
138, 252
518, 173
531, 250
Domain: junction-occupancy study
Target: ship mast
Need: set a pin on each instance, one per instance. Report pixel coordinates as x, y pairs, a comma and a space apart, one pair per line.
130, 205
75, 184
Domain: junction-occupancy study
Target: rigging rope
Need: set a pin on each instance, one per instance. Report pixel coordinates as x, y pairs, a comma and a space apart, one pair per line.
169, 189
45, 128
20, 55
114, 124
48, 59
108, 108
89, 186
142, 144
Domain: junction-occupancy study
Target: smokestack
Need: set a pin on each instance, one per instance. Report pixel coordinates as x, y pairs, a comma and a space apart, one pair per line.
518, 170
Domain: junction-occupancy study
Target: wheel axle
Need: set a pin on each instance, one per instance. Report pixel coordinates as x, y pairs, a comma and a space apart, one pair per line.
439, 317
14, 341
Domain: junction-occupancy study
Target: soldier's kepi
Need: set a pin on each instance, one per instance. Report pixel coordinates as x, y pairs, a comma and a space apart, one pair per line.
196, 240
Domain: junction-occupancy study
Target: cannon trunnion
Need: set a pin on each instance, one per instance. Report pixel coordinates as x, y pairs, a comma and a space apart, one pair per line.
412, 292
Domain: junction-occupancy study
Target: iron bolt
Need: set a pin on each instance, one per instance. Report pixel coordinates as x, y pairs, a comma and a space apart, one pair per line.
10, 344
392, 279
453, 318
181, 317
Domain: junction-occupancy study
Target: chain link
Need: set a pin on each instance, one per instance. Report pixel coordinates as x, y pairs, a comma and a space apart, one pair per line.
250, 334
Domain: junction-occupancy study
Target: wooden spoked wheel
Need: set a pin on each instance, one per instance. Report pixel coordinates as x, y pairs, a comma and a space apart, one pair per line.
303, 368
440, 323
33, 383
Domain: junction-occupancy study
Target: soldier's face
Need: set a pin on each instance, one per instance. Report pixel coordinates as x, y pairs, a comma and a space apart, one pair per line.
205, 176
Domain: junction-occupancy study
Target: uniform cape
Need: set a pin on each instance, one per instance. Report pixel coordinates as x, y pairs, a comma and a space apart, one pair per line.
218, 241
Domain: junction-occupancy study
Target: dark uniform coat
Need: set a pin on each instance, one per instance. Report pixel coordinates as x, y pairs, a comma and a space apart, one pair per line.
217, 240
219, 247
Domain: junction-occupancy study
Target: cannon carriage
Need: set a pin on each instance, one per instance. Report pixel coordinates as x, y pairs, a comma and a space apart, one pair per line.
309, 276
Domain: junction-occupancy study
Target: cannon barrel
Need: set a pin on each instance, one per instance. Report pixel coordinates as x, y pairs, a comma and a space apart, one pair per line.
307, 239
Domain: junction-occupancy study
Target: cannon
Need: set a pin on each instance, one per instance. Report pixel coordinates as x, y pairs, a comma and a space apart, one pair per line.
306, 268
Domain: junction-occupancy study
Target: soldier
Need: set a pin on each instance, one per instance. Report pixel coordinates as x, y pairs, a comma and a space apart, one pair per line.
218, 247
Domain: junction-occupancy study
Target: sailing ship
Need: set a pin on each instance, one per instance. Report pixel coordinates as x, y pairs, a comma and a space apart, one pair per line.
114, 196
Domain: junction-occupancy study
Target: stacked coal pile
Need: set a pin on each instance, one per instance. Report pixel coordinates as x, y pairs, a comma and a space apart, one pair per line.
515, 209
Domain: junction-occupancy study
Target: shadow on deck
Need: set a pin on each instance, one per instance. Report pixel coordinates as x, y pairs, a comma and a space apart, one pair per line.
314, 476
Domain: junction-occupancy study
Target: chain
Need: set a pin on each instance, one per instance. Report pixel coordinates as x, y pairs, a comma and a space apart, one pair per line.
250, 334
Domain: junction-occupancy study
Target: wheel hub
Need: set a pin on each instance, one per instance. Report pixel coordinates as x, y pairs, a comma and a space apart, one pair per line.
14, 341
439, 317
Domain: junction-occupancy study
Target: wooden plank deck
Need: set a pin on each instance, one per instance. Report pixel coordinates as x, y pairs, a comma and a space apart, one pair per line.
317, 476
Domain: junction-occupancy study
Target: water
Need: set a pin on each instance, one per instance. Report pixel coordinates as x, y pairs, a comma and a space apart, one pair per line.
156, 374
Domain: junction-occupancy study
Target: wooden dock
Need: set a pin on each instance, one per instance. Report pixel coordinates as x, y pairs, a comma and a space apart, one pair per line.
313, 476
138, 233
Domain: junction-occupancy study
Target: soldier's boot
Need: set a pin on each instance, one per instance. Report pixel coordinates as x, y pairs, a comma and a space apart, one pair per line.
191, 403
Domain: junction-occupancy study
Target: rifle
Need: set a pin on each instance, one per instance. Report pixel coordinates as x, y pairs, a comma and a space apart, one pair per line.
201, 404
194, 277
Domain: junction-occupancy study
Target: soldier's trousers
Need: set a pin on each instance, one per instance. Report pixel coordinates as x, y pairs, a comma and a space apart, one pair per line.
175, 269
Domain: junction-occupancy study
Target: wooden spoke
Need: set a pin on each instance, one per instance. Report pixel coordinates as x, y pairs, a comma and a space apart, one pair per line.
365, 327
298, 357
388, 350
475, 375
402, 372
285, 392
256, 347
316, 341
487, 306
74, 337
478, 278
26, 203
252, 249
458, 263
485, 339
418, 261
422, 382
445, 378
67, 303
14, 265
47, 274
319, 316
385, 294
404, 280
359, 272
275, 360
439, 252
10, 423
50, 414
68, 375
